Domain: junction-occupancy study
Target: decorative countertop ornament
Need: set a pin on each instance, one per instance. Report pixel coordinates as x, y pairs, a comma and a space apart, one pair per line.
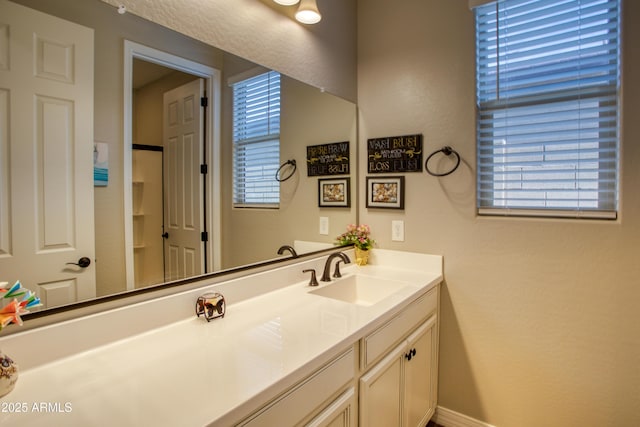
211, 305
8, 374
11, 313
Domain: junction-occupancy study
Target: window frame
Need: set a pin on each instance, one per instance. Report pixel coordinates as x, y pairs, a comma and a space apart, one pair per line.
486, 188
258, 132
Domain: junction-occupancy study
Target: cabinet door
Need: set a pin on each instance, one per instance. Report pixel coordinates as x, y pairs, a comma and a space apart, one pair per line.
420, 375
341, 413
380, 392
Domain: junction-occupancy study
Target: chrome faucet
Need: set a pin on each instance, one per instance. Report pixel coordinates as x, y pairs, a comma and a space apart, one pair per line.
326, 274
287, 248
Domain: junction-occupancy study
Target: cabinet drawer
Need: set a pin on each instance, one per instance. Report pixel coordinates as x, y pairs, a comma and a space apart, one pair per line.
374, 345
308, 395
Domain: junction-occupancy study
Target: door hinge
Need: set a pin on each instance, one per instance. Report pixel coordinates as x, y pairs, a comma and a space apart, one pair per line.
204, 236
204, 101
204, 169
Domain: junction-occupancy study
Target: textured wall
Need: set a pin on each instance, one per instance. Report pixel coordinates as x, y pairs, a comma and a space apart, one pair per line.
322, 55
540, 319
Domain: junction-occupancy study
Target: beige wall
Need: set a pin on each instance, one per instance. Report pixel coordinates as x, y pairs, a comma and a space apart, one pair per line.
540, 321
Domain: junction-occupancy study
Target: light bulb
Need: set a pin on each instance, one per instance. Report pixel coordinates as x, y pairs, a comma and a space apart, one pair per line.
308, 12
286, 2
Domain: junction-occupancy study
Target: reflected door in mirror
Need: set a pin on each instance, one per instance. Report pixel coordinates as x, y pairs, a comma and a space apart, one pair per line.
46, 189
182, 135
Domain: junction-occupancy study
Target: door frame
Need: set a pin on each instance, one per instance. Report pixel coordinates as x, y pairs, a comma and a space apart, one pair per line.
212, 78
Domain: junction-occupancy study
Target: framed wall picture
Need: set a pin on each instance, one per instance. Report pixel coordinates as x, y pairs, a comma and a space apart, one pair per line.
385, 192
334, 193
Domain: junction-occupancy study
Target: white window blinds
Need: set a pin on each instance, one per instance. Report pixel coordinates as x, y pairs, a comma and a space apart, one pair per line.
547, 101
256, 141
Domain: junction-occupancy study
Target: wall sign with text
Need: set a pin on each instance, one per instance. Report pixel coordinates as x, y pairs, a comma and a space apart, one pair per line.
328, 159
395, 154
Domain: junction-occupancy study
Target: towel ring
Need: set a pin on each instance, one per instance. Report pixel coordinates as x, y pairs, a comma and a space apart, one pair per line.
447, 151
291, 162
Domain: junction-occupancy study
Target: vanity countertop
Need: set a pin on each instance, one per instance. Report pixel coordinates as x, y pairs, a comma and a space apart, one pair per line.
191, 372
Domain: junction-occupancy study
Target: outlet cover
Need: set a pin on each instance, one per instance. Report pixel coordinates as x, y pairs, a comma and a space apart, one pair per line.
397, 231
324, 225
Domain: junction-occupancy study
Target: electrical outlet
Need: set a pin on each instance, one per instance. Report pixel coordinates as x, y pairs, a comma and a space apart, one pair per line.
324, 225
397, 231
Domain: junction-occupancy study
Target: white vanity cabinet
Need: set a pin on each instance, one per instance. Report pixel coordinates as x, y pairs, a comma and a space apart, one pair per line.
282, 356
395, 385
401, 389
309, 396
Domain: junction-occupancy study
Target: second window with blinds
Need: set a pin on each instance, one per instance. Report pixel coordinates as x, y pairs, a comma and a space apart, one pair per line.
548, 81
256, 141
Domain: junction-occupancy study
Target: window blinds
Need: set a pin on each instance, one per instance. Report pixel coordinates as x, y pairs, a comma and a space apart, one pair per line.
256, 141
547, 96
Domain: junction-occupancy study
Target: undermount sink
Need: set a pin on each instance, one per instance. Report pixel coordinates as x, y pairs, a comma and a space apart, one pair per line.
360, 290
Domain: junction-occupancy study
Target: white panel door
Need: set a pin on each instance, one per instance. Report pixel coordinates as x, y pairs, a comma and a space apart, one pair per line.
182, 136
46, 152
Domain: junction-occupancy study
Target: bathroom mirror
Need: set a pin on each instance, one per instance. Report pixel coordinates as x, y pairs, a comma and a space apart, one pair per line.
126, 138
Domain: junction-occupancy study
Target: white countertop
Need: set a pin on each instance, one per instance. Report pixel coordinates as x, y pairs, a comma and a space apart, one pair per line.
194, 373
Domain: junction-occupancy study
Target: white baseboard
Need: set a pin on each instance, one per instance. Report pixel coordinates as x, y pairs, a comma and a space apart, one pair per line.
448, 418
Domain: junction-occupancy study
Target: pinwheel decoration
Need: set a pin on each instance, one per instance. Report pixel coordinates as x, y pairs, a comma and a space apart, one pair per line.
12, 311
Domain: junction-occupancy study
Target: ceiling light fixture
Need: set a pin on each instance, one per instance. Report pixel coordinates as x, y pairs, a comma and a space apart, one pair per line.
308, 12
286, 2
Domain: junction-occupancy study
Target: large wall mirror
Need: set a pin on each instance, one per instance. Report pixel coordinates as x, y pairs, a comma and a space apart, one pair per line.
117, 113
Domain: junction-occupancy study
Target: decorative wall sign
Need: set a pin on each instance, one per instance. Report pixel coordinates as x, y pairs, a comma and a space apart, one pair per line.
385, 192
328, 159
395, 154
334, 193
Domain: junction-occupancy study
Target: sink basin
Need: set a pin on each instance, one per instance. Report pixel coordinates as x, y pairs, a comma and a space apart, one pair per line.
360, 290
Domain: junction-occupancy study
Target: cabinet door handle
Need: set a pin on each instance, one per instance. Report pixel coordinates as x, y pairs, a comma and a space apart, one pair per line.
410, 354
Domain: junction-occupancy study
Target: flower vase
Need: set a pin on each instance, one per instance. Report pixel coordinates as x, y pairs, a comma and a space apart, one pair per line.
362, 256
8, 374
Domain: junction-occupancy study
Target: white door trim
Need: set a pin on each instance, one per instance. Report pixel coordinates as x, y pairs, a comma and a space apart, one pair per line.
212, 78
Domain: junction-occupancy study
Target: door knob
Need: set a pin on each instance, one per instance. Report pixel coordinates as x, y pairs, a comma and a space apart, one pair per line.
83, 262
165, 235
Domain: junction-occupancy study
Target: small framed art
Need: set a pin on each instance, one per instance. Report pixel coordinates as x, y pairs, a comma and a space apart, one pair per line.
385, 192
334, 193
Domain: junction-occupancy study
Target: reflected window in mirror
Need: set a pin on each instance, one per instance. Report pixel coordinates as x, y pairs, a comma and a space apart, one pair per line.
256, 140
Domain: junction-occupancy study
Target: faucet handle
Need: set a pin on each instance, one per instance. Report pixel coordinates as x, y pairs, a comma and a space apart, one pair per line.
336, 272
313, 281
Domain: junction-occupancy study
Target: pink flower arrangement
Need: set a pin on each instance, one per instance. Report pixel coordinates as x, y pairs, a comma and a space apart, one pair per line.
11, 312
358, 235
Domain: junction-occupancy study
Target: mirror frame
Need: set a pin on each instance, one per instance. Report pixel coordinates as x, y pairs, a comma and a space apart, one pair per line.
121, 299
111, 302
